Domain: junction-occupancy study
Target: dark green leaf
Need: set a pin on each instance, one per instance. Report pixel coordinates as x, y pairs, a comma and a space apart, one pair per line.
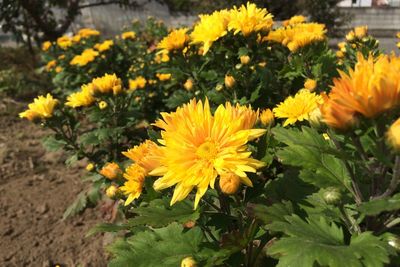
376, 206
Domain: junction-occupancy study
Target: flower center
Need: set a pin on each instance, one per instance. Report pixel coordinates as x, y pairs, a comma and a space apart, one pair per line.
208, 150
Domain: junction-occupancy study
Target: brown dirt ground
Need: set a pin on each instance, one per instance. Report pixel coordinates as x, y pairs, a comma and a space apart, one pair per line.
35, 189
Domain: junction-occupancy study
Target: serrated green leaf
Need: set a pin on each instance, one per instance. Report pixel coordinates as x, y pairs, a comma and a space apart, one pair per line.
89, 138
276, 212
166, 246
317, 241
76, 207
159, 213
106, 227
377, 206
53, 144
177, 99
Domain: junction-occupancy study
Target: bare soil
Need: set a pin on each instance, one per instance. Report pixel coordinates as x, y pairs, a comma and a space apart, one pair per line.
35, 189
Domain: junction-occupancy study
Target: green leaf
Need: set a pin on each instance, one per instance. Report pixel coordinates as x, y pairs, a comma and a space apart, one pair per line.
318, 242
76, 207
106, 227
309, 150
177, 99
159, 213
53, 144
166, 246
89, 138
376, 206
276, 212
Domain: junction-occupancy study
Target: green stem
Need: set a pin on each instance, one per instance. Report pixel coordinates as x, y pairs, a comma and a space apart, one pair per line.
349, 221
394, 183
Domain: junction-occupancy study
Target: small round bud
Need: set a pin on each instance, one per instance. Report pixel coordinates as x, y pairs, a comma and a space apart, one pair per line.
111, 191
189, 224
219, 87
310, 84
267, 117
188, 262
393, 135
315, 118
90, 167
229, 183
188, 85
332, 196
229, 81
245, 60
103, 104
393, 241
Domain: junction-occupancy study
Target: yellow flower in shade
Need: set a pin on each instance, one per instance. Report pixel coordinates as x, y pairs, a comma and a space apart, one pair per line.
188, 262
310, 84
229, 183
342, 46
42, 107
109, 83
58, 69
138, 83
90, 167
104, 46
163, 76
146, 157
198, 146
398, 45
161, 57
229, 81
393, 135
210, 28
298, 35
61, 57
371, 88
350, 36
361, 31
110, 170
248, 19
188, 85
294, 20
398, 35
46, 46
51, 64
83, 98
103, 104
245, 60
267, 117
340, 54
111, 191
87, 32
128, 35
297, 108
64, 42
175, 40
88, 55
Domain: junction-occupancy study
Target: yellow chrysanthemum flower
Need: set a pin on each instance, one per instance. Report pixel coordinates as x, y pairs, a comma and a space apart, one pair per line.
146, 157
164, 76
162, 57
298, 35
109, 83
267, 117
128, 35
110, 170
83, 98
138, 83
87, 32
294, 20
335, 115
51, 64
88, 55
175, 40
76, 38
42, 107
198, 147
248, 19
64, 42
310, 84
210, 28
46, 46
372, 88
104, 46
297, 108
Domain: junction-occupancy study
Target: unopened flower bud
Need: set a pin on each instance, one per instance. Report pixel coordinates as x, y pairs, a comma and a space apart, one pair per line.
219, 87
315, 118
89, 167
111, 170
332, 196
393, 135
393, 241
111, 191
310, 84
189, 224
103, 104
229, 183
267, 117
188, 85
229, 81
245, 60
188, 262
